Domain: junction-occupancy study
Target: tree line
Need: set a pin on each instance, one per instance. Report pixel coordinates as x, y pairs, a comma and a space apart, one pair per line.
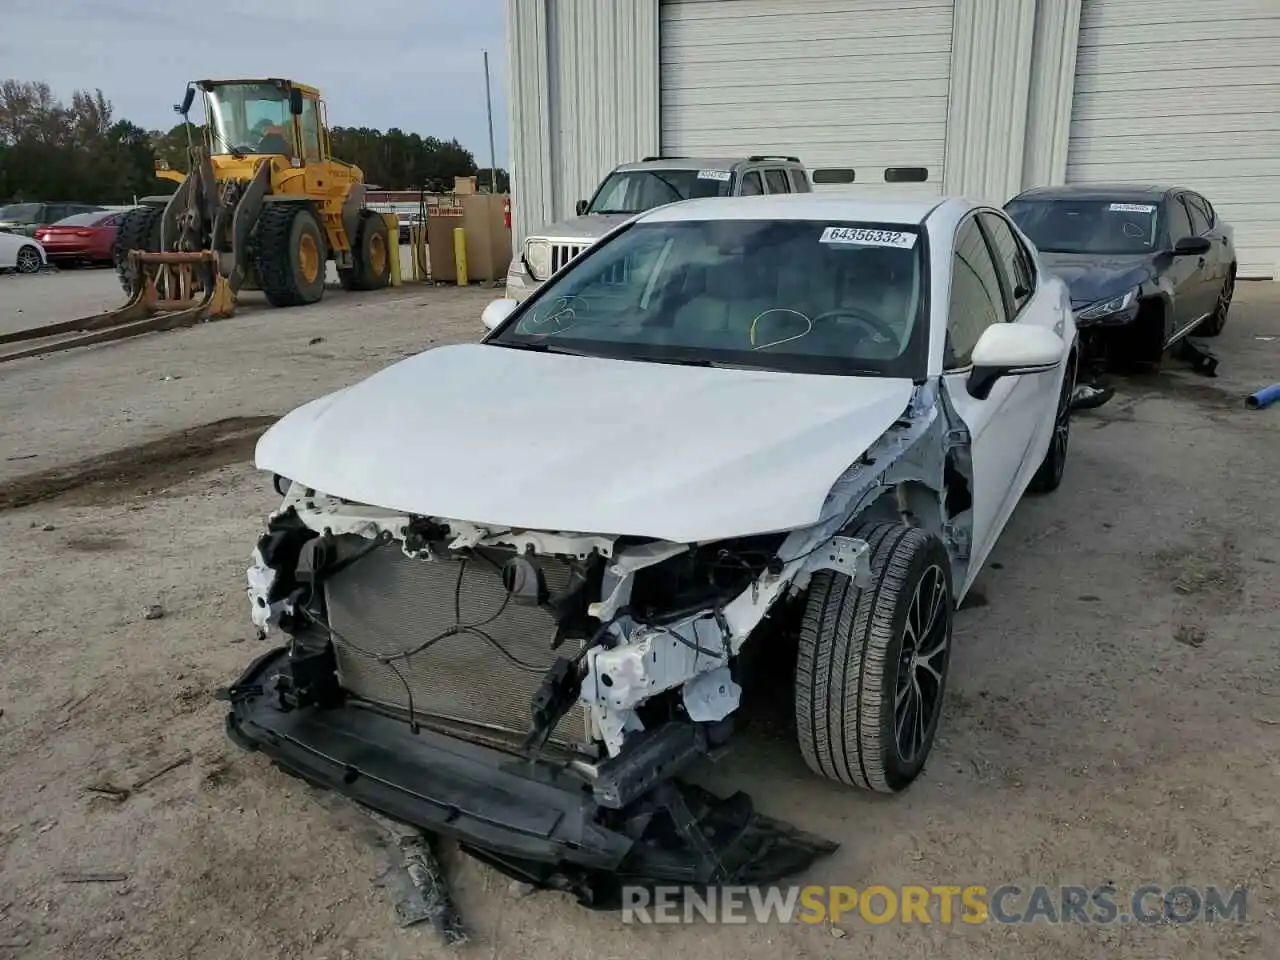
50, 150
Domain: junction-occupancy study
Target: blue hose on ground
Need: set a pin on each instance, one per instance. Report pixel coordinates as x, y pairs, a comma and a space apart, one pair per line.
1263, 398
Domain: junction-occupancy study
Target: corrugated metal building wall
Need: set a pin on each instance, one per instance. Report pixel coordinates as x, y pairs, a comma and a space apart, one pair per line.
1026, 100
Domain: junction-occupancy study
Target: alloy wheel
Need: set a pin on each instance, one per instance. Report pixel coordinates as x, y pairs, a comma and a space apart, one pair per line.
921, 664
28, 260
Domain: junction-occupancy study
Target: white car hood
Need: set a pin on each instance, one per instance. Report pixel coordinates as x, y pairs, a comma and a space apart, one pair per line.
513, 438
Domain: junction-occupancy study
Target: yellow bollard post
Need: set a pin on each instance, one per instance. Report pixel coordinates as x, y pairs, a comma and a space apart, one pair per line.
460, 254
392, 220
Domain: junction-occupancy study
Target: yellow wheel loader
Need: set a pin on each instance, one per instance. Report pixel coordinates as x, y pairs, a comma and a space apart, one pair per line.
264, 207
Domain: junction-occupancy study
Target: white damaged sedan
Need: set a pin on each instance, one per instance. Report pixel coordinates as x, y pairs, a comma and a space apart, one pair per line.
520, 581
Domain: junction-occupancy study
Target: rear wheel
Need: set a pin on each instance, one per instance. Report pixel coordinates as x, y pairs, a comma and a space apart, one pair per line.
1212, 325
28, 259
371, 251
872, 664
289, 255
139, 230
1049, 475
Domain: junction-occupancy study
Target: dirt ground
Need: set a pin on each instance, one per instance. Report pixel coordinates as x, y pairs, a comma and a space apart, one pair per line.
1113, 713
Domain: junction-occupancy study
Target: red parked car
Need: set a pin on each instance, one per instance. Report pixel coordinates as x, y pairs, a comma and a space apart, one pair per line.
82, 237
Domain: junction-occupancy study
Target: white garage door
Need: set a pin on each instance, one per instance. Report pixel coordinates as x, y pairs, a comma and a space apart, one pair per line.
851, 84
1186, 93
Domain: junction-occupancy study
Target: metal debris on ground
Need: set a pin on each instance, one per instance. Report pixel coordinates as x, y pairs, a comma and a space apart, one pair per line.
93, 877
425, 895
1202, 359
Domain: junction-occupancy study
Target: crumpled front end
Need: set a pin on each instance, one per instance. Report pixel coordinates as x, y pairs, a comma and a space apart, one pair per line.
536, 695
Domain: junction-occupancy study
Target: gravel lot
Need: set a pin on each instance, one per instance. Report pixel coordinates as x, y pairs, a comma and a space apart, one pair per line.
1113, 714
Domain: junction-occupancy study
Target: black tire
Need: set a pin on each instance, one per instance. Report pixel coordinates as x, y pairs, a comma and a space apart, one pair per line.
27, 259
289, 254
851, 655
371, 251
1048, 477
1212, 325
139, 230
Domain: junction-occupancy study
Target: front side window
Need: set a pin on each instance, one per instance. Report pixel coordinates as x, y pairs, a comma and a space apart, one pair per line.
635, 191
250, 118
777, 181
797, 295
751, 184
975, 302
1179, 220
1065, 225
1012, 260
1199, 215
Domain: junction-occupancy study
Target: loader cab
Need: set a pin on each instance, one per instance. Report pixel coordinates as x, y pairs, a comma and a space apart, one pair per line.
265, 117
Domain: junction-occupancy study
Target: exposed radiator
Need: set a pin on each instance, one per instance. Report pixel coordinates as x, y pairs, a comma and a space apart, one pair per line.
386, 603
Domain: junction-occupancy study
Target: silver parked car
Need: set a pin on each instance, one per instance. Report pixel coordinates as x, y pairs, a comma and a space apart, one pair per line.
633, 188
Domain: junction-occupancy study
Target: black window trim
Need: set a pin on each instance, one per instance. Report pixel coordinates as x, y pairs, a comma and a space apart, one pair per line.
1012, 312
1177, 198
995, 261
1190, 199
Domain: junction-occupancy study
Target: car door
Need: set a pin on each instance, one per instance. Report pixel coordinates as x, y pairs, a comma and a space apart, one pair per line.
1203, 223
1003, 425
1185, 275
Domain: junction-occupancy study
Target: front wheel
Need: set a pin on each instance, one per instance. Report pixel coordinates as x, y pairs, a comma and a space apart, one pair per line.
28, 260
872, 664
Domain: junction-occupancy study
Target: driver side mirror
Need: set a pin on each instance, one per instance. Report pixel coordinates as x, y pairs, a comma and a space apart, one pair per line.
1010, 350
581, 207
295, 101
496, 312
187, 99
1192, 247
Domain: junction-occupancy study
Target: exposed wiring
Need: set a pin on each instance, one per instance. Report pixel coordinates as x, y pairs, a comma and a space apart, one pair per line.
458, 629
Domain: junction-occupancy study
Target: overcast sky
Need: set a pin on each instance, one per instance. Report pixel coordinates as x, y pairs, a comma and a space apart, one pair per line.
413, 64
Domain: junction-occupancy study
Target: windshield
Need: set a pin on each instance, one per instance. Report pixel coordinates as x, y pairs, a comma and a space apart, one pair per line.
634, 191
22, 212
250, 118
798, 295
1088, 226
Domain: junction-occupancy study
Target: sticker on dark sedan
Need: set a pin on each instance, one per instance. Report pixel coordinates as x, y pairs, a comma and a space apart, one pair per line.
1133, 208
721, 175
862, 237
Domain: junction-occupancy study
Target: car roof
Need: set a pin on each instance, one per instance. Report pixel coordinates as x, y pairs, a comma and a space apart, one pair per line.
797, 206
699, 163
1097, 191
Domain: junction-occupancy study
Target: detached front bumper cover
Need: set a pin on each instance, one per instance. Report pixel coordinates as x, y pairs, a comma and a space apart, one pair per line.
531, 819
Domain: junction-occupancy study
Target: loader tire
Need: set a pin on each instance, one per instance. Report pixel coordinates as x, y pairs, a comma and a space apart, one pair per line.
139, 230
866, 657
372, 251
289, 254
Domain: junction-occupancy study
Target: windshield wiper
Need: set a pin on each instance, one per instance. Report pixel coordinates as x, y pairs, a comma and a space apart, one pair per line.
536, 347
613, 211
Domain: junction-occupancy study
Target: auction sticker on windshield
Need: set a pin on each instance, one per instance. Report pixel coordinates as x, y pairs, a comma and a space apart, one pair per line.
862, 237
721, 175
1133, 208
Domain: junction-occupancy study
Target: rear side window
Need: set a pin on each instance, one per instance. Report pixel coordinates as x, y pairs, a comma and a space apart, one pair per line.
1012, 260
799, 181
751, 185
975, 302
777, 181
